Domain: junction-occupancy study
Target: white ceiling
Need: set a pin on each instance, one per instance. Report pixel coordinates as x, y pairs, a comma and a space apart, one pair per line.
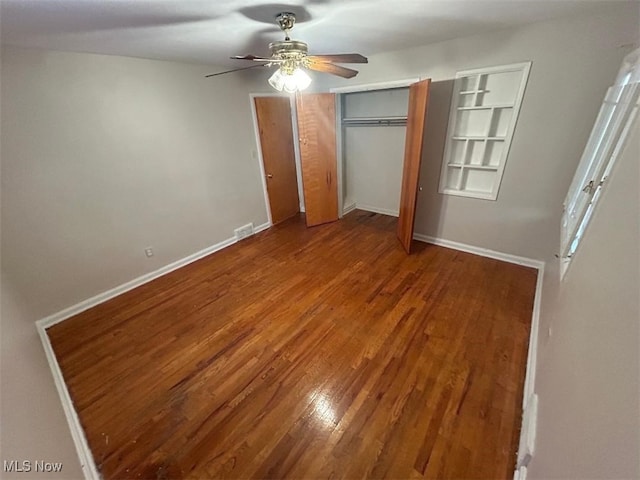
210, 31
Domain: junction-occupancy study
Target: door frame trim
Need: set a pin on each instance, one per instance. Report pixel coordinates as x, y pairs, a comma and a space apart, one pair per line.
338, 91
258, 155
365, 87
340, 163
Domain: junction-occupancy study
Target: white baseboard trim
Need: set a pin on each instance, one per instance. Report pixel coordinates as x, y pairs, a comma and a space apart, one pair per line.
85, 456
260, 228
529, 398
520, 474
527, 445
136, 282
82, 447
87, 462
529, 424
483, 252
529, 384
532, 355
348, 208
381, 211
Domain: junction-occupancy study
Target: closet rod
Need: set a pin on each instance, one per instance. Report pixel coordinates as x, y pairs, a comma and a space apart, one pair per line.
375, 122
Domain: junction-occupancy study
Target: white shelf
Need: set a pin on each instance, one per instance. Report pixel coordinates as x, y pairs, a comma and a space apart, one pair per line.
482, 120
487, 107
476, 138
468, 193
491, 168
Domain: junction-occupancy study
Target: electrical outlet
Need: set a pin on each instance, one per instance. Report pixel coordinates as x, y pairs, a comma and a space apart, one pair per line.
148, 251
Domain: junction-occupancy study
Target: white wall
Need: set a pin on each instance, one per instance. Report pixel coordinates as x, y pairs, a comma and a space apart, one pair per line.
373, 159
574, 60
588, 369
103, 156
373, 155
33, 423
588, 377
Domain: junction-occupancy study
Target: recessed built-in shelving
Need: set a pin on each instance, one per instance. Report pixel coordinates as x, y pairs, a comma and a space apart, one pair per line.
483, 115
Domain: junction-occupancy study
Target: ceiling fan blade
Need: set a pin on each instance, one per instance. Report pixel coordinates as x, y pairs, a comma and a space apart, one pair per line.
327, 67
341, 58
250, 57
237, 70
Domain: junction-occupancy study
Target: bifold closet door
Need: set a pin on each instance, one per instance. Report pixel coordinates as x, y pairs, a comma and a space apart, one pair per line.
317, 131
278, 156
416, 118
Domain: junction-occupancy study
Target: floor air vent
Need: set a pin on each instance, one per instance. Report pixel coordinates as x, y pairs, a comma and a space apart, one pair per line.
244, 231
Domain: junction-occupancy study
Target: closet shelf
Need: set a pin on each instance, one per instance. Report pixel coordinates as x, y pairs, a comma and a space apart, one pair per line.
490, 168
477, 137
487, 107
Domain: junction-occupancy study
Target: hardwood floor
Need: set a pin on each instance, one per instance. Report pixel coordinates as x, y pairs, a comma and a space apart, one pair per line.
307, 353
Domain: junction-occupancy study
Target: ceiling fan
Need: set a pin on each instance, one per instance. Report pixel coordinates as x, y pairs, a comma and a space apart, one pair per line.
292, 59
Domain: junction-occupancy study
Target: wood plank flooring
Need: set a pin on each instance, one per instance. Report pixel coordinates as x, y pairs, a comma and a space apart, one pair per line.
307, 353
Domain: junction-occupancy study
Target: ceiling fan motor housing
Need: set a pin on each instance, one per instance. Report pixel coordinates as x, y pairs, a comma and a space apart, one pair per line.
286, 20
291, 52
291, 56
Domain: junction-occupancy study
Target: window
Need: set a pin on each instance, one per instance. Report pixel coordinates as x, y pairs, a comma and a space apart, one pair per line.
484, 111
608, 137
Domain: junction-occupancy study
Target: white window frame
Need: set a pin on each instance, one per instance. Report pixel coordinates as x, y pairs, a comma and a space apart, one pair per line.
608, 137
497, 166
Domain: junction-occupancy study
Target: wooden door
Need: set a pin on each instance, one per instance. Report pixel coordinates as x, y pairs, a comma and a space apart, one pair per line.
416, 117
276, 142
317, 129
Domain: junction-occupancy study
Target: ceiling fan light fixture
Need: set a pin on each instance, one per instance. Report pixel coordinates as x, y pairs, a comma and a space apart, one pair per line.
277, 80
298, 80
295, 81
292, 58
